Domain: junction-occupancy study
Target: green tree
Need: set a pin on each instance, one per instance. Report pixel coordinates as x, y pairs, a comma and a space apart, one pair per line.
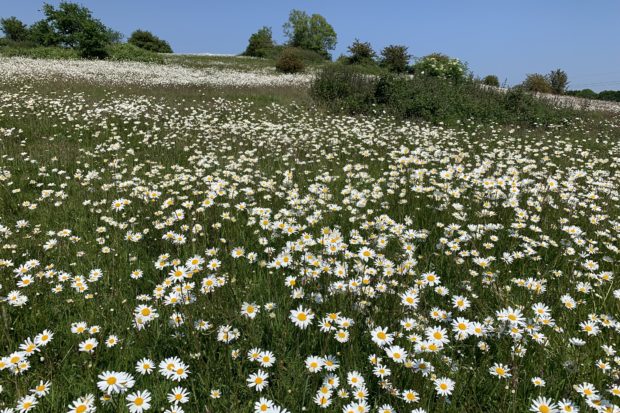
260, 43
535, 82
69, 20
395, 58
558, 79
92, 42
361, 52
491, 80
148, 41
14, 29
43, 34
310, 32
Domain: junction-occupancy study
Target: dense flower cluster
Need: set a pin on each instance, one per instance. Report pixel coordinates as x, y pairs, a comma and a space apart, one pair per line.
145, 74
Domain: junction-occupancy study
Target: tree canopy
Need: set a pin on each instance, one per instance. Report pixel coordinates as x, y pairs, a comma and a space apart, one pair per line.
310, 32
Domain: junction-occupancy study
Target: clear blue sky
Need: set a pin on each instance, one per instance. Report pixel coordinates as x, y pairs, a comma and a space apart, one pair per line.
508, 38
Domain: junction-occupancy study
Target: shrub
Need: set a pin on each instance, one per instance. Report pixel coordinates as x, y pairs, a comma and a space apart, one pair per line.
429, 98
395, 58
361, 53
129, 52
491, 80
558, 79
343, 88
39, 52
535, 82
260, 44
442, 66
14, 29
290, 61
148, 41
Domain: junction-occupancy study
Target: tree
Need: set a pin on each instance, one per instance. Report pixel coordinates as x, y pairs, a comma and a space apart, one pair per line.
14, 29
260, 43
92, 42
69, 20
361, 52
558, 79
42, 33
310, 32
148, 41
535, 82
395, 58
491, 80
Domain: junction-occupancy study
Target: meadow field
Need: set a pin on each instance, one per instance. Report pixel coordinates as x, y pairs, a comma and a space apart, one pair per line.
201, 237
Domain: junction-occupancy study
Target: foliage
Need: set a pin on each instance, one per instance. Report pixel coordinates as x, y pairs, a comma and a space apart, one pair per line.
558, 80
92, 42
441, 66
395, 58
260, 43
339, 87
361, 53
491, 80
148, 41
310, 32
39, 52
537, 83
42, 33
14, 29
434, 99
129, 52
69, 20
609, 95
290, 61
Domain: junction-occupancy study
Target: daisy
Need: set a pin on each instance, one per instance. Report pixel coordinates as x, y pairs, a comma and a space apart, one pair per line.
258, 380
543, 405
500, 370
145, 366
301, 317
444, 386
178, 395
139, 401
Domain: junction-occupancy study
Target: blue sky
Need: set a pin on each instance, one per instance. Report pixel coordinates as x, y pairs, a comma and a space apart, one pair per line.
506, 38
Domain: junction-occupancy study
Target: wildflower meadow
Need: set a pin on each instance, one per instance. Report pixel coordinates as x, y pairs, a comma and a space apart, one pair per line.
171, 243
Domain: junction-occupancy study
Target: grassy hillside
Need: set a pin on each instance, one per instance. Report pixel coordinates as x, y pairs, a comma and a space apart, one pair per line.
220, 226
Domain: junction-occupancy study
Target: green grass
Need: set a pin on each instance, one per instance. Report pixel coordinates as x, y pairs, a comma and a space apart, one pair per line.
272, 148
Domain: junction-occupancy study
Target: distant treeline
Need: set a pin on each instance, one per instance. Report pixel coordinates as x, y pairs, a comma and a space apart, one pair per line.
72, 26
610, 95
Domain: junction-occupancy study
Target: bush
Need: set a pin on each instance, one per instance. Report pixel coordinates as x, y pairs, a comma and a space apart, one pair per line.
395, 58
260, 44
129, 52
290, 61
148, 41
536, 83
441, 66
491, 80
434, 99
343, 88
39, 52
361, 53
